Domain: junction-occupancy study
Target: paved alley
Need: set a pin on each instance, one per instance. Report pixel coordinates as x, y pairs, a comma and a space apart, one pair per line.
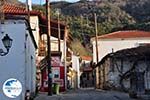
86, 94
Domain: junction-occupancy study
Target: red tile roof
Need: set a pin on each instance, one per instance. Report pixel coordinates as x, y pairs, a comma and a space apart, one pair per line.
89, 58
12, 9
17, 10
125, 34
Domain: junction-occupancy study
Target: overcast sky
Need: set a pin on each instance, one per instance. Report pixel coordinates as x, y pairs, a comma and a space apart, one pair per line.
43, 1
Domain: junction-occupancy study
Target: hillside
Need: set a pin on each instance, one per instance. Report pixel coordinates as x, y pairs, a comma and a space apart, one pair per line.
111, 11
112, 15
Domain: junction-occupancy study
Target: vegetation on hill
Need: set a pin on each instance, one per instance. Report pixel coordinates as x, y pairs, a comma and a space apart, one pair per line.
78, 48
112, 15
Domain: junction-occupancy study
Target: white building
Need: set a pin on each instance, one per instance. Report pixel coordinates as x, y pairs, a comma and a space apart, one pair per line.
38, 22
127, 70
76, 68
19, 63
117, 41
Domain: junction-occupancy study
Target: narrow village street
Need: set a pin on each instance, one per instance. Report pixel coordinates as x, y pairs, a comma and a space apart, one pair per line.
86, 94
68, 46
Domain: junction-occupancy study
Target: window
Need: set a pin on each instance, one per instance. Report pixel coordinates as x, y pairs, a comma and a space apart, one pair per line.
56, 72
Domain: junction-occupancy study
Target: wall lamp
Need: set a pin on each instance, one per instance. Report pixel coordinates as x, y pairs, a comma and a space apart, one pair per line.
7, 42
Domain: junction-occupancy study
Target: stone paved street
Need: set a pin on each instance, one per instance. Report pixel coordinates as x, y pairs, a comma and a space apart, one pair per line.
86, 94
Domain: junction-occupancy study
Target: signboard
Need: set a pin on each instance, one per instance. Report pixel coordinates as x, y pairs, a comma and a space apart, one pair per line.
56, 72
12, 88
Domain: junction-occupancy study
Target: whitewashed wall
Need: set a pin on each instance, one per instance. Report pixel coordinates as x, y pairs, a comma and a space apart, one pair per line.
54, 46
76, 67
30, 64
14, 65
113, 76
34, 22
106, 46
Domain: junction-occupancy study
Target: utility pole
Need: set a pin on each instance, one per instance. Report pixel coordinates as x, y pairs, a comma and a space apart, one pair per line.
49, 48
59, 32
65, 54
28, 10
96, 41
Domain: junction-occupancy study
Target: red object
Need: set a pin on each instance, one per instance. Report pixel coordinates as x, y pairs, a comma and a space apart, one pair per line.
12, 9
17, 10
58, 75
88, 58
125, 34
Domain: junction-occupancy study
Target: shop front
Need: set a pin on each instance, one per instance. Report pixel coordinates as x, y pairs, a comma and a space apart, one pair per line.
58, 75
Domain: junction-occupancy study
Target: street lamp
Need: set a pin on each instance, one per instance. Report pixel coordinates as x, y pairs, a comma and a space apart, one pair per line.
7, 42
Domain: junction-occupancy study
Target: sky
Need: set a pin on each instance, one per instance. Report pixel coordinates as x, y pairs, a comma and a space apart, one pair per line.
43, 1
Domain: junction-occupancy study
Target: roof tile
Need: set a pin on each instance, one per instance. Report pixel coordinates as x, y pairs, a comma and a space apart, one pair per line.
89, 58
15, 9
12, 9
125, 34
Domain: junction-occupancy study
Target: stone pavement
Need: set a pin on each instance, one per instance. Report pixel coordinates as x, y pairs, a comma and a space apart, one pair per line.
44, 96
86, 94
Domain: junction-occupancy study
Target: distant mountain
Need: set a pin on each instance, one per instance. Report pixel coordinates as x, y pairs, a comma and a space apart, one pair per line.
112, 15
138, 9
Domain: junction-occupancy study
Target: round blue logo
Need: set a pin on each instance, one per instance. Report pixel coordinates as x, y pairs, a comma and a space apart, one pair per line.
12, 88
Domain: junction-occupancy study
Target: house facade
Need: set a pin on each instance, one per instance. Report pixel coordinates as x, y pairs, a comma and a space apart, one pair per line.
117, 41
61, 55
38, 22
86, 70
19, 63
58, 72
127, 70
